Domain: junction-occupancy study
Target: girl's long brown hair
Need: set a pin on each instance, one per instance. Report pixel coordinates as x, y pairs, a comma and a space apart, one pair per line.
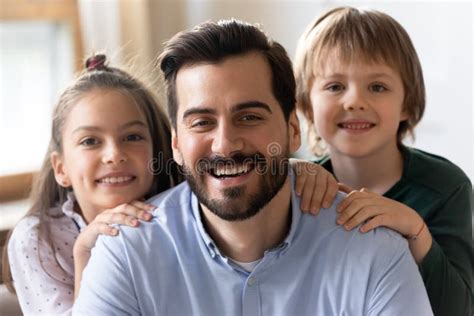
47, 193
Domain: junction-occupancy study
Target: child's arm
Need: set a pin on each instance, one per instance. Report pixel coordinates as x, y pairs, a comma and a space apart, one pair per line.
316, 186
375, 210
41, 285
124, 214
446, 264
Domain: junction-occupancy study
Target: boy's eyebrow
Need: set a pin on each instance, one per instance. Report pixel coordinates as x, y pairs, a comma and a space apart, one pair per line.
93, 128
339, 75
235, 108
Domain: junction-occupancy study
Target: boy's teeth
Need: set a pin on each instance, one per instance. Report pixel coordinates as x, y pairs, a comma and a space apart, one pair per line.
356, 125
115, 179
231, 171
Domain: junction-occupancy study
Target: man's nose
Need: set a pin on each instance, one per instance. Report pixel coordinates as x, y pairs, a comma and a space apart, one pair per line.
227, 140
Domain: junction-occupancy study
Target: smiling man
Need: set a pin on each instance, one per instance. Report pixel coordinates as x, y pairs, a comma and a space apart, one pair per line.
231, 240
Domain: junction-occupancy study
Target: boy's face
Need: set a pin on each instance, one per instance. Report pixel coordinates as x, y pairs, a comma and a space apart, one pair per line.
357, 107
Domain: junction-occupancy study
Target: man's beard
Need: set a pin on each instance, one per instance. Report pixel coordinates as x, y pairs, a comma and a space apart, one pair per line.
238, 204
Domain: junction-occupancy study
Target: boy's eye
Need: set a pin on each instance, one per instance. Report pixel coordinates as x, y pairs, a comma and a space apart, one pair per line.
89, 141
335, 87
133, 137
377, 88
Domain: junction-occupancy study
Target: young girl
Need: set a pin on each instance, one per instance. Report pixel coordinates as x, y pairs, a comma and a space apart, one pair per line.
110, 148
360, 86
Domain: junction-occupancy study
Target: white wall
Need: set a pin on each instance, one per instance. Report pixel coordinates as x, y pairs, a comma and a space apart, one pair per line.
442, 33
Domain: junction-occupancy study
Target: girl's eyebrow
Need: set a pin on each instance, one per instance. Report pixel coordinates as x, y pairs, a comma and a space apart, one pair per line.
93, 128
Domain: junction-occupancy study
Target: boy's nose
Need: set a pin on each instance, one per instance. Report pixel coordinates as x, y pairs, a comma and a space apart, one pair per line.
355, 101
227, 141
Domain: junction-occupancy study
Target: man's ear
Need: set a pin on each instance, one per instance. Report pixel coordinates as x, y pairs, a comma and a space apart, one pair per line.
175, 147
60, 173
294, 132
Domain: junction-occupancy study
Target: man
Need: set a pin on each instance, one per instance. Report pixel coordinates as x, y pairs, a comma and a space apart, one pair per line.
231, 240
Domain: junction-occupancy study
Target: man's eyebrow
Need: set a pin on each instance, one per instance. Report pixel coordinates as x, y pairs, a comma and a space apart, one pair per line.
251, 104
93, 128
197, 110
235, 108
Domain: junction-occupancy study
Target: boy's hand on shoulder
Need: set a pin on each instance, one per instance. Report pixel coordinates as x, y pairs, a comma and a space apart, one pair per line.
316, 186
374, 210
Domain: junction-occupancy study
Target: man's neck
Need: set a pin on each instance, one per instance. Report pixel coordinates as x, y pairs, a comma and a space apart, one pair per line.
247, 240
377, 172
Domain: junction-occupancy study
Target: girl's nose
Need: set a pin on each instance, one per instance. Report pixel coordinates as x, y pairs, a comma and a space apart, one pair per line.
114, 154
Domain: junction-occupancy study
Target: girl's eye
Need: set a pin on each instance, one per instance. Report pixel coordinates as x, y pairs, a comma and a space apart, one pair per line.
335, 87
377, 88
89, 141
133, 138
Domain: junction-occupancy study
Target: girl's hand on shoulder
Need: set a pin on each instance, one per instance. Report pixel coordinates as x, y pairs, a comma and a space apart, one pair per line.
316, 186
125, 214
374, 210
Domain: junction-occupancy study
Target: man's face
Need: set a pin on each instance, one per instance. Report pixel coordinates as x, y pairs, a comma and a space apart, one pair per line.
231, 135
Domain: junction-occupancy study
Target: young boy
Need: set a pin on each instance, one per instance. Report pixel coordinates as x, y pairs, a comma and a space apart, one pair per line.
360, 86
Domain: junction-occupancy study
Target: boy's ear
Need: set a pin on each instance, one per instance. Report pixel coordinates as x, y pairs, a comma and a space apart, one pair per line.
60, 173
294, 132
175, 147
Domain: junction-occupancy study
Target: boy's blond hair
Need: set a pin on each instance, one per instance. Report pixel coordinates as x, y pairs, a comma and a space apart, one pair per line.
366, 35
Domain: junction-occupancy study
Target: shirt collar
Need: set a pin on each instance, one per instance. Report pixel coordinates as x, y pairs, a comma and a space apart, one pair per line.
295, 219
211, 246
68, 210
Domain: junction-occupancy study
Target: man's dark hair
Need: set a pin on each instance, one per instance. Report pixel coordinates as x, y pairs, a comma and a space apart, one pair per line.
212, 42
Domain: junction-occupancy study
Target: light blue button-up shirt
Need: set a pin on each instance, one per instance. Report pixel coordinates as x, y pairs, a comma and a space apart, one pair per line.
171, 266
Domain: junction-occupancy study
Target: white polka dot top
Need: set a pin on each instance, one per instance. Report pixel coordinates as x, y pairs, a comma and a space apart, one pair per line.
41, 284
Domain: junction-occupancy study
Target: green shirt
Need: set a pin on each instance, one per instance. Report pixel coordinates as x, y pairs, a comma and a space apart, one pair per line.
441, 193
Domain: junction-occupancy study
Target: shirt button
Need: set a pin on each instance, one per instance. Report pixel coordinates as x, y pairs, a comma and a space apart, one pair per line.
251, 281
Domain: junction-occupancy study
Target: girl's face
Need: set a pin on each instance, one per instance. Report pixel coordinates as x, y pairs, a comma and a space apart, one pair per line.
357, 107
106, 151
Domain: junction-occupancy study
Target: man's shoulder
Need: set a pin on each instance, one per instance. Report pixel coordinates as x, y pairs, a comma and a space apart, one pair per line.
172, 198
173, 213
378, 242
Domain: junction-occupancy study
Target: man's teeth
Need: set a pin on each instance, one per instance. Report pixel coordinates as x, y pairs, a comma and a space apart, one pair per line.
231, 171
356, 125
115, 179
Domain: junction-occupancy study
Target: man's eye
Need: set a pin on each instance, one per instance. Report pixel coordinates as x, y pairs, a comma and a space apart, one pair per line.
335, 87
133, 137
89, 141
378, 88
201, 123
250, 118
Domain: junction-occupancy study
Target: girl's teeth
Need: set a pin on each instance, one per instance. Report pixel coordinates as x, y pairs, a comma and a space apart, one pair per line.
115, 179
